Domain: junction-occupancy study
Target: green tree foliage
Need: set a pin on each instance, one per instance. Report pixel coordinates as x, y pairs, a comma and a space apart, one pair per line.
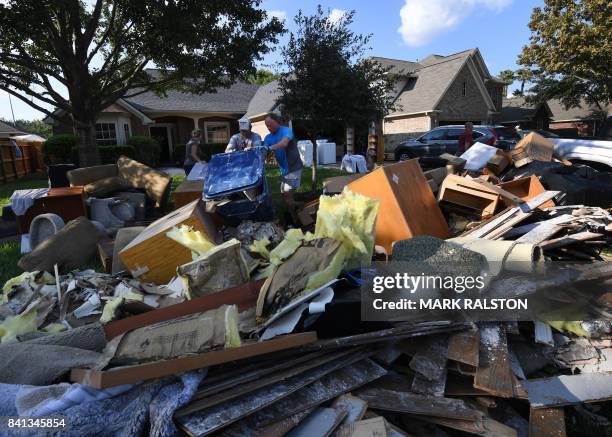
37, 127
570, 52
507, 76
262, 77
328, 78
82, 56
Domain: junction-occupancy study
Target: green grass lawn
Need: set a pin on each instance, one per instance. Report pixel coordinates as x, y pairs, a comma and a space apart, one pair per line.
35, 180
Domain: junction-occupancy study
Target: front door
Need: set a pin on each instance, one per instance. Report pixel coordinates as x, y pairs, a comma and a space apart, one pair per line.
160, 133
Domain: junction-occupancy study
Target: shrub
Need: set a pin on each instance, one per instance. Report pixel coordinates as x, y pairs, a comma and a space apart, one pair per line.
108, 154
57, 149
147, 149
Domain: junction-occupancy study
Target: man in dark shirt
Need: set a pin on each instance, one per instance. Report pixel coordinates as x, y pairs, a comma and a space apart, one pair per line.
465, 139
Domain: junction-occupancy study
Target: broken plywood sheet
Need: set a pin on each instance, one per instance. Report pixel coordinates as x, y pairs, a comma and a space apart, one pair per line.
464, 347
355, 407
374, 427
429, 363
277, 429
486, 427
494, 374
547, 422
412, 403
569, 389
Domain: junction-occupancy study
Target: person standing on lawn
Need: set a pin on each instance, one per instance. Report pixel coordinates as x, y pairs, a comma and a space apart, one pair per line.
193, 151
245, 139
281, 141
466, 138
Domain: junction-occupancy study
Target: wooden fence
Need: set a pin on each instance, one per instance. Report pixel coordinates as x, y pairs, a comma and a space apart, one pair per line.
16, 164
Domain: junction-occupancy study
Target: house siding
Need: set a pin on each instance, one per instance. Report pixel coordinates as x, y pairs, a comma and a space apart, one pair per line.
260, 128
456, 107
397, 130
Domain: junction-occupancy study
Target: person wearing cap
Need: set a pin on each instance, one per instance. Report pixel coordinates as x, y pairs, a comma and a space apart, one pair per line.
245, 139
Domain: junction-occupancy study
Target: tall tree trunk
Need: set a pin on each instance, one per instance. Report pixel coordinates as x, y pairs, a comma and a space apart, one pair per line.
85, 129
522, 88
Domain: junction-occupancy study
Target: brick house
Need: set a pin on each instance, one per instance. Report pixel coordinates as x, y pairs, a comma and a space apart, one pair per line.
517, 112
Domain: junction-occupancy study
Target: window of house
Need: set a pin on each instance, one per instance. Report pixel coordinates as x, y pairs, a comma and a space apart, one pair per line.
464, 89
106, 135
216, 131
126, 130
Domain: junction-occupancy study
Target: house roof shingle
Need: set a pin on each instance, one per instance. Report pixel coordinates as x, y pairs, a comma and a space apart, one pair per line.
397, 66
234, 99
582, 112
6, 128
516, 109
264, 99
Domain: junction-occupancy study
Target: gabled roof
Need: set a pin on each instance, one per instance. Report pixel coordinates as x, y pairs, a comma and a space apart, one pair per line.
264, 100
397, 66
582, 112
234, 99
6, 128
432, 80
515, 109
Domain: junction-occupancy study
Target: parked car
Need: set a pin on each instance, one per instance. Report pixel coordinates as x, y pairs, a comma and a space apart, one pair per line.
542, 132
594, 153
445, 139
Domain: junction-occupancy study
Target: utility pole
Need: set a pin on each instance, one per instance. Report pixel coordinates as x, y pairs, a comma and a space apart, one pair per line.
12, 112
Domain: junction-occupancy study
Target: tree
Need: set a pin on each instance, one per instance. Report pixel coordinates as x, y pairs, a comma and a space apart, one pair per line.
37, 127
328, 78
81, 57
507, 76
570, 52
262, 77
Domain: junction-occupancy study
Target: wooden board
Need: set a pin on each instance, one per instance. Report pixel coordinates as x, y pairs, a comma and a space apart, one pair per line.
412, 403
187, 192
153, 257
547, 422
494, 374
407, 208
141, 372
527, 189
469, 194
464, 347
321, 422
569, 389
244, 296
569, 240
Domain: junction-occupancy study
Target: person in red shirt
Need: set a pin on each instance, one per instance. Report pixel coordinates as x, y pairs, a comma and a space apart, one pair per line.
465, 139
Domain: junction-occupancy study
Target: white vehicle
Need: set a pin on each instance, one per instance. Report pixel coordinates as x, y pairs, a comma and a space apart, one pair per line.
585, 151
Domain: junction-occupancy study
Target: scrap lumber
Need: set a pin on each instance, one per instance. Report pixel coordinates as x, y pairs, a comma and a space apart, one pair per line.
494, 374
157, 369
546, 422
374, 427
407, 208
498, 162
429, 365
569, 240
464, 347
527, 188
200, 402
413, 403
330, 386
463, 192
569, 389
355, 407
219, 416
545, 229
486, 427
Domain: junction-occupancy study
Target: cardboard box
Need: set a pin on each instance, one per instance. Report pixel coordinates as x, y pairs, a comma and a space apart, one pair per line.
408, 207
527, 189
498, 163
153, 257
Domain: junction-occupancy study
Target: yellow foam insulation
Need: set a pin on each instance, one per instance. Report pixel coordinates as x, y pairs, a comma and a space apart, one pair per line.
109, 313
567, 320
194, 240
232, 334
54, 328
35, 277
351, 219
293, 239
260, 247
333, 269
13, 326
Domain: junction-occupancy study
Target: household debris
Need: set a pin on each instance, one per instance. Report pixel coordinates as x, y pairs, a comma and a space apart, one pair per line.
267, 322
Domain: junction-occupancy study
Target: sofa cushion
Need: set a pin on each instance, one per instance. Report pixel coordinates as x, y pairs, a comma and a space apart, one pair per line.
154, 182
107, 186
85, 175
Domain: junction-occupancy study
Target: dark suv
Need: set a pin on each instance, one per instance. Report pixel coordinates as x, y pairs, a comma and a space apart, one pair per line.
445, 139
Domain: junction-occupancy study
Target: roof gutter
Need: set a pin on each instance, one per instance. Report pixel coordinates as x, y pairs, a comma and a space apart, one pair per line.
408, 114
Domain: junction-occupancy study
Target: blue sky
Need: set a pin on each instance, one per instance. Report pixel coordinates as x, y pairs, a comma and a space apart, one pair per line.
407, 29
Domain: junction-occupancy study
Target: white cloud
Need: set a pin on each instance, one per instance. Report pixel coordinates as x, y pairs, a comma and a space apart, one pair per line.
281, 15
335, 15
423, 20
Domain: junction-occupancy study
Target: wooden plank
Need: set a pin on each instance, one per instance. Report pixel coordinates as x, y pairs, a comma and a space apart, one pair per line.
487, 427
244, 296
330, 386
355, 407
429, 363
545, 229
547, 422
412, 403
527, 188
141, 372
321, 422
494, 374
569, 389
407, 207
464, 347
240, 390
212, 419
374, 427
569, 240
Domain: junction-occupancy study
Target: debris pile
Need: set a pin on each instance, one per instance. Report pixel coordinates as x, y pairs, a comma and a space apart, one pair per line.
260, 330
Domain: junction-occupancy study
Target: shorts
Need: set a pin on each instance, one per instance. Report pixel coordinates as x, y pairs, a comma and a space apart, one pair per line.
291, 181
